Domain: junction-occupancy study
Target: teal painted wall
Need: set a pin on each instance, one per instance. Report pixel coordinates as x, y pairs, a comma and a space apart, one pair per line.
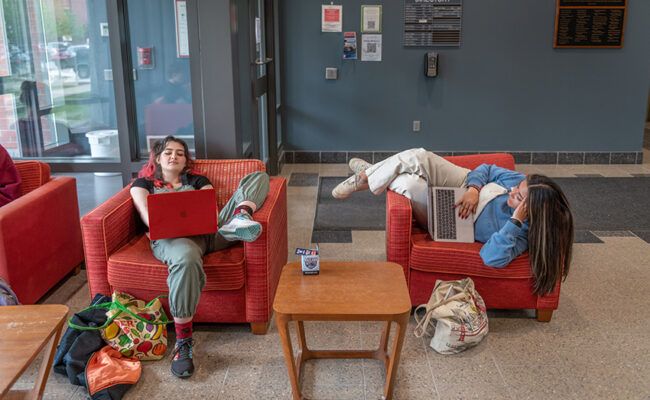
505, 88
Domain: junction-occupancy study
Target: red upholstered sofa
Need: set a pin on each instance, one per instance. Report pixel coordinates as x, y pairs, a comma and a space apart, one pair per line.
241, 280
425, 261
40, 235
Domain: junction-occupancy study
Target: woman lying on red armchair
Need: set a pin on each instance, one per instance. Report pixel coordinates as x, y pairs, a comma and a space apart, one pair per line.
512, 212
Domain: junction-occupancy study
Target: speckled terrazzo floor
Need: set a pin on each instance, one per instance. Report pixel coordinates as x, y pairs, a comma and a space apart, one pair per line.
597, 345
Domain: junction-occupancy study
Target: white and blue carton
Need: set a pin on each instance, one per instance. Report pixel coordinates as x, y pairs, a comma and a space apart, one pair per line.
309, 259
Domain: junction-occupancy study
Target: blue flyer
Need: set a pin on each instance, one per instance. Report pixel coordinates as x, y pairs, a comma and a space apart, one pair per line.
350, 46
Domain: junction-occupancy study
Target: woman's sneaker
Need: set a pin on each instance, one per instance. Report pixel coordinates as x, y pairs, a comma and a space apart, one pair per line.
358, 165
182, 364
241, 226
344, 189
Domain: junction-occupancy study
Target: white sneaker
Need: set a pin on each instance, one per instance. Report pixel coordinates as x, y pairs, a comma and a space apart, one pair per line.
241, 226
358, 165
344, 189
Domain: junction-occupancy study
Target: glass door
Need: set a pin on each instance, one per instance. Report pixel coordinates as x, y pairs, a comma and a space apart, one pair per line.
56, 91
263, 74
159, 46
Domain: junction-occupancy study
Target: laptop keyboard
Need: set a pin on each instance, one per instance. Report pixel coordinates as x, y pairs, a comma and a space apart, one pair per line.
446, 221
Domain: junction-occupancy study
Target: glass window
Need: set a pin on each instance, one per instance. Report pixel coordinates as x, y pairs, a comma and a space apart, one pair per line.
56, 89
160, 50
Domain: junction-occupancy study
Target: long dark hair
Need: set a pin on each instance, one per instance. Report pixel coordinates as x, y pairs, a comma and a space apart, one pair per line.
152, 170
550, 237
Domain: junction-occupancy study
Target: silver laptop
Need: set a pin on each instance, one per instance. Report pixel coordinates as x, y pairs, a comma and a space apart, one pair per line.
444, 223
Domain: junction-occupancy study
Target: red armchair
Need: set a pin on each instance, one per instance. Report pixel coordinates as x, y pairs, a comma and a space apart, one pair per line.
241, 280
425, 261
40, 235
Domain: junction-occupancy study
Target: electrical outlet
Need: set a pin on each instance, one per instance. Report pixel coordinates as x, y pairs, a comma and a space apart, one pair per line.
331, 73
416, 126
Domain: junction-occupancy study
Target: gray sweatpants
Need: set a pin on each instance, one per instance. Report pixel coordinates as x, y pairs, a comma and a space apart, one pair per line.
408, 172
184, 255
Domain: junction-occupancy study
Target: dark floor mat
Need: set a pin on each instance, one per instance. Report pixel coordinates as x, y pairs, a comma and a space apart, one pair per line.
362, 211
585, 237
608, 204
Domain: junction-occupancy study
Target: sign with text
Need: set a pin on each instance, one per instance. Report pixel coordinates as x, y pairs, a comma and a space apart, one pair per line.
331, 18
589, 23
432, 22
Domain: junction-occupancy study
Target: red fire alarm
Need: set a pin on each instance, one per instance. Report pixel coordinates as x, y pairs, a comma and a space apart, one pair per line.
145, 57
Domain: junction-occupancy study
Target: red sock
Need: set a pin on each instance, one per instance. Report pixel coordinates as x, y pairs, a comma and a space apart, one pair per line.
183, 330
241, 208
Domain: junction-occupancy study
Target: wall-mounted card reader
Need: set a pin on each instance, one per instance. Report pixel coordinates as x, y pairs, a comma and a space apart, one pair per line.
431, 64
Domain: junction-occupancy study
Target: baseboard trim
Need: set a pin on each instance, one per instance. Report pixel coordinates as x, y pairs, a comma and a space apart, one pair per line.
521, 157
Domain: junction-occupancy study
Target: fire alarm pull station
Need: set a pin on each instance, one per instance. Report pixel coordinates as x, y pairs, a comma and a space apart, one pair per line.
145, 58
431, 64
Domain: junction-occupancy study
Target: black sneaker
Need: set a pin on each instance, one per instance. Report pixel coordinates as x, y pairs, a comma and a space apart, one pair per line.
182, 365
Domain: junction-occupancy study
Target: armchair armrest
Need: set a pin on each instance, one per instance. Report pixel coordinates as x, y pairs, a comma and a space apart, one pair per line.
399, 221
40, 238
105, 230
266, 256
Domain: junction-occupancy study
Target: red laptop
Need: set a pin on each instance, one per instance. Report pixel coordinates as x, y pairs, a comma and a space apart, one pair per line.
179, 214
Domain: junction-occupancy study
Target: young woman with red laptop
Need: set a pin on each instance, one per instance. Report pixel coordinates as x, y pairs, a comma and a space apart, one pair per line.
170, 169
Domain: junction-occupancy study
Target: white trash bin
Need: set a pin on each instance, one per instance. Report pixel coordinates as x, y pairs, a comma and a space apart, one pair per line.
104, 144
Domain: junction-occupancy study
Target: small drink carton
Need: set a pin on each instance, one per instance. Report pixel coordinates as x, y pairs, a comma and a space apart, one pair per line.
309, 259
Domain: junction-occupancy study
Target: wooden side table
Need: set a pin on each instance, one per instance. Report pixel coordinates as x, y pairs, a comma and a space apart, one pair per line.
344, 291
24, 332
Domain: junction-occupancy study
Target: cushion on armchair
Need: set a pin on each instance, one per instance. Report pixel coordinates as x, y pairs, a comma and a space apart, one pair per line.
224, 269
461, 258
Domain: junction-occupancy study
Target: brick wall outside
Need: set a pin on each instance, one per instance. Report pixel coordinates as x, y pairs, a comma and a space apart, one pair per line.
8, 114
5, 66
8, 135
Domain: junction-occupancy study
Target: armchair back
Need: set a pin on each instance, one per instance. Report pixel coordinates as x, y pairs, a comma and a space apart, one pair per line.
33, 174
226, 174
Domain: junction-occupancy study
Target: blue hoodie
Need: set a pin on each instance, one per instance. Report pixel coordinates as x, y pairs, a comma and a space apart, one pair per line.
503, 239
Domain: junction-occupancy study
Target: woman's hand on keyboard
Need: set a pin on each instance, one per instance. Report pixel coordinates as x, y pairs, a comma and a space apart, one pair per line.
468, 202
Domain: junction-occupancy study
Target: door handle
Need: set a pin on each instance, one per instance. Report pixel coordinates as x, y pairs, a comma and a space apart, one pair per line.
260, 62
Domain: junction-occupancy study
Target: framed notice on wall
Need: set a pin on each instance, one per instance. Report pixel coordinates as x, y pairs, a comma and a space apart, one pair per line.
182, 42
589, 23
432, 22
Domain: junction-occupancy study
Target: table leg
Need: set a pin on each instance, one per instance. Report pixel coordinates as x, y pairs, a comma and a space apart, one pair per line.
391, 370
300, 333
46, 364
383, 343
283, 327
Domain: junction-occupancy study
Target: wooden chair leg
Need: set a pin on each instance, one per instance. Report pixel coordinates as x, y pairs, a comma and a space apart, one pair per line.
544, 315
77, 270
259, 328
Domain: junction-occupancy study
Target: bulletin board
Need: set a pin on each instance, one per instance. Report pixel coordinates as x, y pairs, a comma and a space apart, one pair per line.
589, 23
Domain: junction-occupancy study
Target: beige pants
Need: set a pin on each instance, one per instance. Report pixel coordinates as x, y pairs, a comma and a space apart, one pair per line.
408, 172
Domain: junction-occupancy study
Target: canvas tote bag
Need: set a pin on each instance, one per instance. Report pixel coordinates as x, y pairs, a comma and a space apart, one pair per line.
134, 328
457, 313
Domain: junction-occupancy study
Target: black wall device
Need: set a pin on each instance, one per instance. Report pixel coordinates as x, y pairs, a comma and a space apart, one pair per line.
431, 64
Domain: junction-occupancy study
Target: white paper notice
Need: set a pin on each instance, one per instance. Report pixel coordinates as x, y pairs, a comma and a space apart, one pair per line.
370, 47
371, 19
182, 42
331, 18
